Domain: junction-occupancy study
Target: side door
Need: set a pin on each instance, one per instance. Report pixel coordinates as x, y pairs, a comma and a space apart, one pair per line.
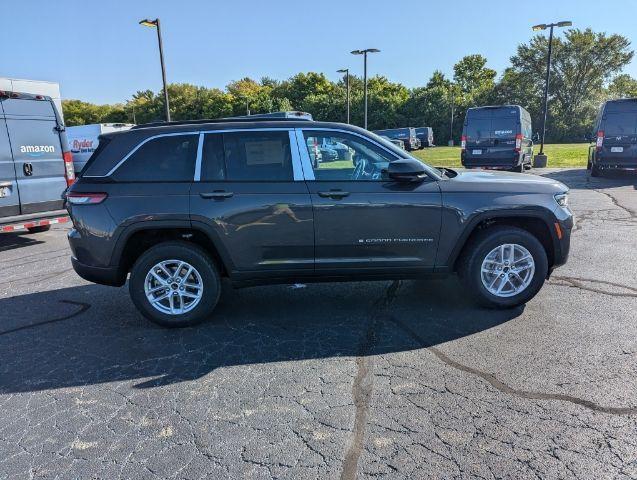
363, 221
9, 195
37, 154
250, 197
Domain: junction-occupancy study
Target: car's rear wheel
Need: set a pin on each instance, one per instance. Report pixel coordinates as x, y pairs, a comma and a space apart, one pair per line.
503, 267
39, 229
175, 284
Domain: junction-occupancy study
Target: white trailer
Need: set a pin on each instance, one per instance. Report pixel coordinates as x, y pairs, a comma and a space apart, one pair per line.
83, 140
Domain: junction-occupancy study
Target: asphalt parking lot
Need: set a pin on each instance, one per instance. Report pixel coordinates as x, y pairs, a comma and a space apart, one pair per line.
386, 379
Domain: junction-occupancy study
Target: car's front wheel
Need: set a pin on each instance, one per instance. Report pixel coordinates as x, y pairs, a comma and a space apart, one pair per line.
175, 284
503, 267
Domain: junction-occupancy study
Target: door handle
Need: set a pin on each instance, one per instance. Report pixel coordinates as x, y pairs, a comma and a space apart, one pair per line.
216, 194
335, 194
27, 168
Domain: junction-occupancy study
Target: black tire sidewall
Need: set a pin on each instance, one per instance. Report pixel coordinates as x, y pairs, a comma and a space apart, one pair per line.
39, 229
491, 239
191, 254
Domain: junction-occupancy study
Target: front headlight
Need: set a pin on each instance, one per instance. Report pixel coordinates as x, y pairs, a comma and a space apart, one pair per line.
562, 199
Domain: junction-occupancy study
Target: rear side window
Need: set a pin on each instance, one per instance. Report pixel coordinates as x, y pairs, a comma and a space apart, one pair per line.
620, 124
258, 156
163, 159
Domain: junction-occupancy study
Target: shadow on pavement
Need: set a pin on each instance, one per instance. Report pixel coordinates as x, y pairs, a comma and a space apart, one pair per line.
580, 178
9, 241
92, 334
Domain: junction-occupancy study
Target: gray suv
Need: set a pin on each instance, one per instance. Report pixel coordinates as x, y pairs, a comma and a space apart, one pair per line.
181, 205
36, 165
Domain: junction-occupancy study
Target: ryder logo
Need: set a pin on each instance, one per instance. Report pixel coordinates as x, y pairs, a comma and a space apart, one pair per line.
36, 150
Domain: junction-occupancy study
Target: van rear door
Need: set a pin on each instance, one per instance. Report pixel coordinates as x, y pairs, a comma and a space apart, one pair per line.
620, 137
37, 153
490, 136
9, 198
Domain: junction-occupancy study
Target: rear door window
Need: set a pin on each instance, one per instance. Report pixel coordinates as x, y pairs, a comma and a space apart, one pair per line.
503, 128
163, 159
258, 156
479, 129
617, 124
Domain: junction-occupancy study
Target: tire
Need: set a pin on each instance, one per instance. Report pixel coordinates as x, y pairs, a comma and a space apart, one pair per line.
471, 261
595, 171
177, 251
39, 229
518, 168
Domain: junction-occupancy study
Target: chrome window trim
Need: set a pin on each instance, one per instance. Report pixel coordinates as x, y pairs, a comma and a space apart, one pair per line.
306, 162
198, 159
200, 145
137, 147
297, 167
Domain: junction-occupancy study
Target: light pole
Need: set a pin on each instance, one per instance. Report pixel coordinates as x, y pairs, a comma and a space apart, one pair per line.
364, 54
155, 23
540, 158
451, 123
346, 72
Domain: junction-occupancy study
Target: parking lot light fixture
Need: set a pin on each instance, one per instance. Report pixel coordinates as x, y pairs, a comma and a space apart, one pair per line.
364, 54
155, 24
550, 26
346, 72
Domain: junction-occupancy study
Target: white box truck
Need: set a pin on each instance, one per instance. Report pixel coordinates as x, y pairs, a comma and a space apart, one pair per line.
83, 140
34, 87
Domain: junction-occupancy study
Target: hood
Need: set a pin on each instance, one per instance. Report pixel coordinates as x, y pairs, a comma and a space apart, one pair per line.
503, 182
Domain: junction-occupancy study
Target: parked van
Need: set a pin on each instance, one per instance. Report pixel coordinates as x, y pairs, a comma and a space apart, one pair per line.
83, 140
498, 137
36, 165
616, 137
407, 135
426, 136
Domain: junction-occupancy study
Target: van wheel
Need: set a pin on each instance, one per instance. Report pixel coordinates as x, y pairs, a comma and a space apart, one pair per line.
503, 267
595, 171
518, 168
39, 229
175, 284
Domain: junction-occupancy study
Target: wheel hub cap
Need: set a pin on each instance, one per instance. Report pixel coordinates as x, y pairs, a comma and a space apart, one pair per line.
507, 270
173, 287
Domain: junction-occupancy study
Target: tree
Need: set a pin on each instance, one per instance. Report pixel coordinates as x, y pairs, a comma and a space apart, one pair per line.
472, 76
584, 62
622, 86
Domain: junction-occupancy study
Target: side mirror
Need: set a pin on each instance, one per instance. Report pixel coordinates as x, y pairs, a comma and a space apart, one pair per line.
536, 137
406, 170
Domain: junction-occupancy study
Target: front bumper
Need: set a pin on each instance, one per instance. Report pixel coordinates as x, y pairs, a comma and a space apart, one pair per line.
562, 239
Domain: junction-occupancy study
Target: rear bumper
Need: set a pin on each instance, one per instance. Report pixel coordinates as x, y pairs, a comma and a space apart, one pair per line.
102, 275
614, 165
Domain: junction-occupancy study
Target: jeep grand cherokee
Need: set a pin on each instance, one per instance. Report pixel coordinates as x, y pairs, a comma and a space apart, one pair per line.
180, 205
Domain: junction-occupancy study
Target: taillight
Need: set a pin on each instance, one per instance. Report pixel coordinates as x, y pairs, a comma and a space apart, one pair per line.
463, 142
79, 198
69, 169
518, 142
600, 140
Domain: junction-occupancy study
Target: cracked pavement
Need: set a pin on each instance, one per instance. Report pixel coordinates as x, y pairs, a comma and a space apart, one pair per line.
391, 380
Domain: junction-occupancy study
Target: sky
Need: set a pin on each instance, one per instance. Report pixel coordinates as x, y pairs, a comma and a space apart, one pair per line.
99, 53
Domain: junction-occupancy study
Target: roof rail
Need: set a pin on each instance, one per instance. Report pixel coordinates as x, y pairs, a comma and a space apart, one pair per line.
264, 117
